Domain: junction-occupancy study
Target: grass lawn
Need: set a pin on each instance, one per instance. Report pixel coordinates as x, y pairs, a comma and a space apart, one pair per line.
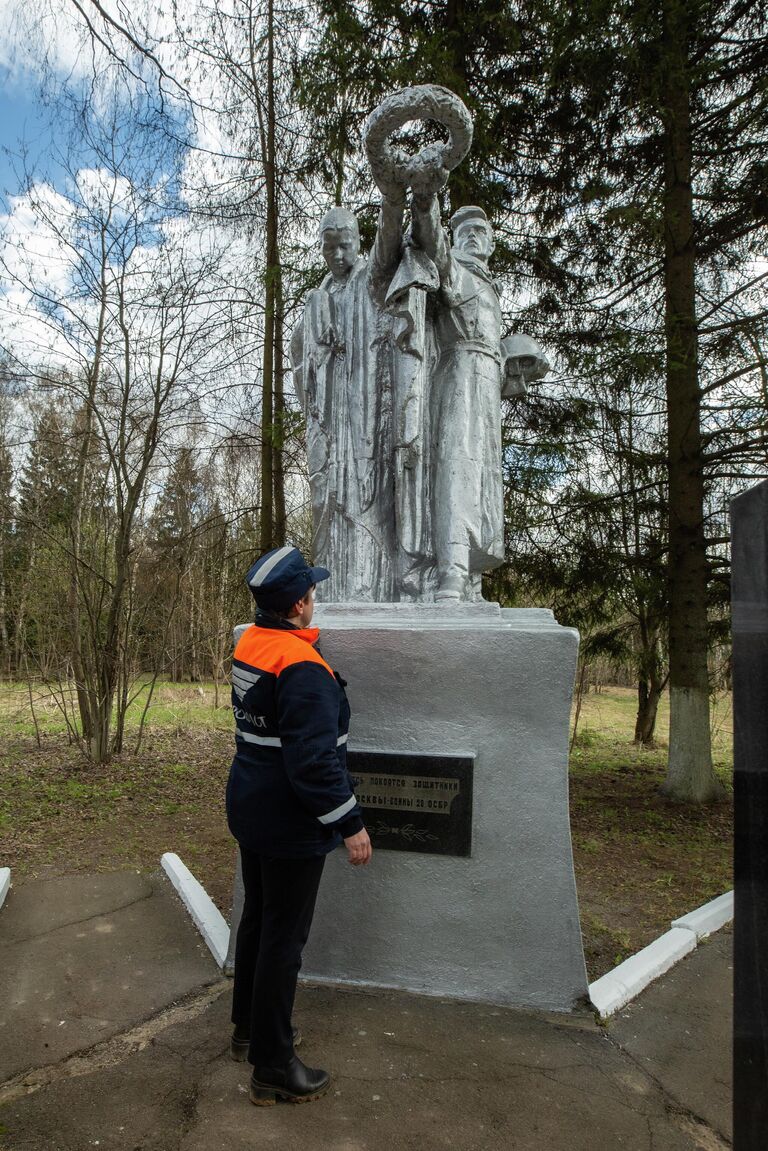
640, 860
60, 813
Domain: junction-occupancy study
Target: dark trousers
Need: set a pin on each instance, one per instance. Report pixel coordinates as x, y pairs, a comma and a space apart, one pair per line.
279, 903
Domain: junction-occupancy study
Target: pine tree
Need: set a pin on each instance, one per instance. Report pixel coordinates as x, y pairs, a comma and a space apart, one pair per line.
359, 53
644, 164
44, 510
620, 151
175, 530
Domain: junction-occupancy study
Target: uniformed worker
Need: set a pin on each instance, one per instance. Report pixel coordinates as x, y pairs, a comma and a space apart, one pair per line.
289, 802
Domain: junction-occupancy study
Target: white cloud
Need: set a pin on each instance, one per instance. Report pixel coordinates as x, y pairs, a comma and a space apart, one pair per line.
37, 36
34, 234
98, 188
35, 32
50, 272
36, 269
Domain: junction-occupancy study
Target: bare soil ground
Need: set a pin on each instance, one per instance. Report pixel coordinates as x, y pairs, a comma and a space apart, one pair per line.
59, 813
640, 859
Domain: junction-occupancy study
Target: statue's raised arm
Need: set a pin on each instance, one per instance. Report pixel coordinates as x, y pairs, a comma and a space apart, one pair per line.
463, 411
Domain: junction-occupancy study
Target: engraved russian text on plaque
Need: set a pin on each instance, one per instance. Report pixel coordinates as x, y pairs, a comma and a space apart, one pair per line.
415, 802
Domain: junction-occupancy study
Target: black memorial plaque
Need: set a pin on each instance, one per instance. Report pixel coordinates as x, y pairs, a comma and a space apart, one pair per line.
415, 802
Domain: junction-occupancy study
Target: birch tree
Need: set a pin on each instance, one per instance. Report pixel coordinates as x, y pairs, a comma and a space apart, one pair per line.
130, 307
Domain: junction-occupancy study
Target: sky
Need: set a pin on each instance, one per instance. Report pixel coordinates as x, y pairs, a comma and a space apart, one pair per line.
35, 244
22, 116
20, 119
18, 115
33, 31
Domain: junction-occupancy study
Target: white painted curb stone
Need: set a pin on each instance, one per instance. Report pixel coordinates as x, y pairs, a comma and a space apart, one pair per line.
205, 914
627, 980
711, 917
614, 990
5, 883
608, 994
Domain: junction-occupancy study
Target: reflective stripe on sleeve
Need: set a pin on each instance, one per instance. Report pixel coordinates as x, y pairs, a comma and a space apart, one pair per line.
262, 740
245, 676
337, 812
342, 739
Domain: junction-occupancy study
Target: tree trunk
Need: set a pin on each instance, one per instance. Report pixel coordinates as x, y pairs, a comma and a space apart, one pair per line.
6, 527
460, 187
650, 681
193, 625
648, 696
268, 363
86, 699
100, 744
341, 153
278, 448
27, 575
5, 647
690, 777
123, 686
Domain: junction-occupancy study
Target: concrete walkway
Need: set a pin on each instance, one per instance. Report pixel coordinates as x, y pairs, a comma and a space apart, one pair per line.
114, 1034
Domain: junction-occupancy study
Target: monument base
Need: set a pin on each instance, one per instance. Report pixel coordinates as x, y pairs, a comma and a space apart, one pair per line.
487, 689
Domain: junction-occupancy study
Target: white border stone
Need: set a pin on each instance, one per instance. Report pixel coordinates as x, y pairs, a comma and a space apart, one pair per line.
711, 917
205, 914
608, 994
614, 990
5, 883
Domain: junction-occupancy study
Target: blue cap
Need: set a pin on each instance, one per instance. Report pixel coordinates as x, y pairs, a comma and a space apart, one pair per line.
281, 577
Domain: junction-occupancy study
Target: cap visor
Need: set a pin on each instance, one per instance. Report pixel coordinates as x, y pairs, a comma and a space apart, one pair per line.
319, 574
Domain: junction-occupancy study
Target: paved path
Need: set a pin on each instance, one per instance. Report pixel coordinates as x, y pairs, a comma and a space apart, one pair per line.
114, 1034
680, 1032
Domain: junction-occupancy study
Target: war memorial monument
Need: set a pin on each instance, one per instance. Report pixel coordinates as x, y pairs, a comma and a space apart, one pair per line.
460, 708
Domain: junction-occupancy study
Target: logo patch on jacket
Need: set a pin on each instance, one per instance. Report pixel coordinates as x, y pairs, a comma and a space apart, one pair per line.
253, 720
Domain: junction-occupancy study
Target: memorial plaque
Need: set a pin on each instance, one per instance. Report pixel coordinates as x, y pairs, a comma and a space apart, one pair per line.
415, 802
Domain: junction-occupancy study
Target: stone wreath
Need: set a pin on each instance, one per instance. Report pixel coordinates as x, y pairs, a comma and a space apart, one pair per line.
390, 165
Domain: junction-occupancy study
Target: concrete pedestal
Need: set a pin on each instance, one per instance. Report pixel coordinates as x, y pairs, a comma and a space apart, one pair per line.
501, 925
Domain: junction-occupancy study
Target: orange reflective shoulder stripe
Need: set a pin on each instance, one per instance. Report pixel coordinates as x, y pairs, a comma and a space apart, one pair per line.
273, 651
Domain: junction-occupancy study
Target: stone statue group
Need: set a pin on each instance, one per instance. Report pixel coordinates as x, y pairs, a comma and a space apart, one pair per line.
400, 366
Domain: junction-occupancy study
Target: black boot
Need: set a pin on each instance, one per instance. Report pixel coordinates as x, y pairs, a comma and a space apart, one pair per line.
294, 1083
241, 1041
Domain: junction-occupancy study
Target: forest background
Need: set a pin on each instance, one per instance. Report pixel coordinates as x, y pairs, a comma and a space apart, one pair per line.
160, 232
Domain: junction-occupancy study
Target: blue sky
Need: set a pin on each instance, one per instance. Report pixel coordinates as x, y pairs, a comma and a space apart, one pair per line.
34, 40
21, 116
25, 117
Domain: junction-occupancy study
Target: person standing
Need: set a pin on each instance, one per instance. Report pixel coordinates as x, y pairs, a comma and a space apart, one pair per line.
289, 802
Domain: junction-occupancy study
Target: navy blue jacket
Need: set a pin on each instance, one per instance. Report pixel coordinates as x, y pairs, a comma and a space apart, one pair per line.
289, 793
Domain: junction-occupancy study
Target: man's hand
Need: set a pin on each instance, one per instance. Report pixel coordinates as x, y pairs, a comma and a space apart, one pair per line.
426, 181
393, 191
359, 850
